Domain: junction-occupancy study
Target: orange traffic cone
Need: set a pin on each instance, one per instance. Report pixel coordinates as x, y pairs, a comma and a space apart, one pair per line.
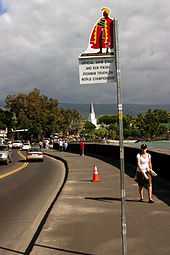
96, 176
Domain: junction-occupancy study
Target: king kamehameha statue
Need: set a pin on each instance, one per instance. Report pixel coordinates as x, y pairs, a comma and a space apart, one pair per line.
97, 64
101, 38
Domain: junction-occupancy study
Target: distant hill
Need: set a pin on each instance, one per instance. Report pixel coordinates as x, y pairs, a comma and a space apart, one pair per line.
1, 103
102, 109
106, 109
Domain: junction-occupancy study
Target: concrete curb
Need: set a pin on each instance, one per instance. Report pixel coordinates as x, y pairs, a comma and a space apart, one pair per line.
46, 211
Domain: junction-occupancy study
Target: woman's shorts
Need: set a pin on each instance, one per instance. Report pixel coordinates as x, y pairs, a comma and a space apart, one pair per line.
141, 180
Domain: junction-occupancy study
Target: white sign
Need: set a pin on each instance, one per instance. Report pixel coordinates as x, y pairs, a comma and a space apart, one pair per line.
97, 69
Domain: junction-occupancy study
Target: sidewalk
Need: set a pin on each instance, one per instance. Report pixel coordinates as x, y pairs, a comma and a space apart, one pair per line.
86, 217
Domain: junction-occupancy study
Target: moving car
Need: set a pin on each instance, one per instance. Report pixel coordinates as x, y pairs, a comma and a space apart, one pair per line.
17, 144
9, 144
35, 154
5, 156
26, 146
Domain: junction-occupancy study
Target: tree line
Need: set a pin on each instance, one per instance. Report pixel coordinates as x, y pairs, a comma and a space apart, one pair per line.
42, 116
152, 124
39, 114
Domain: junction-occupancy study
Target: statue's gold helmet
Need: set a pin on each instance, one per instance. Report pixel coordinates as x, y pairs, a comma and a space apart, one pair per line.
106, 9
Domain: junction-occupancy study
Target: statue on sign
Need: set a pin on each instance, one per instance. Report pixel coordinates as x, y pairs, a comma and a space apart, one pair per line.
101, 38
97, 64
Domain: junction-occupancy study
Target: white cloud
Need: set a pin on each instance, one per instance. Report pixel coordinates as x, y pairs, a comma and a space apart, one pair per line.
41, 41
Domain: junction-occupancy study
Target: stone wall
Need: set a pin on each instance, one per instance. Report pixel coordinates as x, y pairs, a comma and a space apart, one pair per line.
160, 161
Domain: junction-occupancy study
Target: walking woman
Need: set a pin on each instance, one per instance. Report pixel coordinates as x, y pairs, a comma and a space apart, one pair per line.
144, 173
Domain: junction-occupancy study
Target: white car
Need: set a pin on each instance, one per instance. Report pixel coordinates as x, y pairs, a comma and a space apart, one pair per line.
26, 146
9, 144
35, 154
5, 156
17, 144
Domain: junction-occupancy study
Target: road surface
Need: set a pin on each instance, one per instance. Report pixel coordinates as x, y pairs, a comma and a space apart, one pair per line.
25, 197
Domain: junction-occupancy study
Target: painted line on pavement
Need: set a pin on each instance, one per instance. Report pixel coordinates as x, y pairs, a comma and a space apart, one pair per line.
21, 155
24, 165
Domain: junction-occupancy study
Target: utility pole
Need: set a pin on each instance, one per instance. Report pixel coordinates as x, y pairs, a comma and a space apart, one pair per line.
110, 63
122, 167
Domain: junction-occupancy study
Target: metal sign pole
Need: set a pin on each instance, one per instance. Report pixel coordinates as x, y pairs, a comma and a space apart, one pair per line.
122, 168
91, 68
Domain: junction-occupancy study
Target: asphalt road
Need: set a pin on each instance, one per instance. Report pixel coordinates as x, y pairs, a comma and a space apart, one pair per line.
25, 196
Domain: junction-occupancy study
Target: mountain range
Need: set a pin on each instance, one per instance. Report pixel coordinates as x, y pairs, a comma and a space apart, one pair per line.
109, 109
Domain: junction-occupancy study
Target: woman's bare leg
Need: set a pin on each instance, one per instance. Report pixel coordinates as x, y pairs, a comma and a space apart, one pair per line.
150, 189
140, 192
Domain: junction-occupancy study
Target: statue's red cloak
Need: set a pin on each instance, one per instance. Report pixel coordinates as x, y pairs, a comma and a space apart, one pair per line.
104, 30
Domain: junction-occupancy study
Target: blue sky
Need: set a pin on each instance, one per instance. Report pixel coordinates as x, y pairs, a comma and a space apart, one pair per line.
3, 7
42, 39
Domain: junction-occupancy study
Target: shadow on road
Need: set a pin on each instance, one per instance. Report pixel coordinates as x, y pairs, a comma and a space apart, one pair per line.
63, 250
161, 187
14, 251
111, 199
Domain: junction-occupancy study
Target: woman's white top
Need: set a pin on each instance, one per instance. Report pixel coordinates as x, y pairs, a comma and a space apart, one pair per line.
143, 162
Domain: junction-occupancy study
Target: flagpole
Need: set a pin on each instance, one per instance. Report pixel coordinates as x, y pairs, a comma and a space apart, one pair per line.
122, 168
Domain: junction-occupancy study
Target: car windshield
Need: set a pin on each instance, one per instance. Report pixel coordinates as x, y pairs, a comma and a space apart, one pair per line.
34, 149
3, 148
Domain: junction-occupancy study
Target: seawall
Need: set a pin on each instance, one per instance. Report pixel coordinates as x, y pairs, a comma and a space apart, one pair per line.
160, 158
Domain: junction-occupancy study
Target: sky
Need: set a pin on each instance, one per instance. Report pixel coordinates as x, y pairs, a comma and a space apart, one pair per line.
41, 41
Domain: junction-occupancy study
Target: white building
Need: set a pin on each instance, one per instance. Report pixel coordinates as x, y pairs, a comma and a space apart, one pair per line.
92, 116
3, 133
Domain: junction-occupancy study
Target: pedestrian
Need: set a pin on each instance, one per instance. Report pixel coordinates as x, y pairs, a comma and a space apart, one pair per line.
47, 144
60, 145
65, 145
82, 146
144, 173
40, 144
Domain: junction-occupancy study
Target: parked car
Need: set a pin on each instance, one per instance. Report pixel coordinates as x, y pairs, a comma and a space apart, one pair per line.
17, 144
9, 144
5, 154
35, 154
26, 146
